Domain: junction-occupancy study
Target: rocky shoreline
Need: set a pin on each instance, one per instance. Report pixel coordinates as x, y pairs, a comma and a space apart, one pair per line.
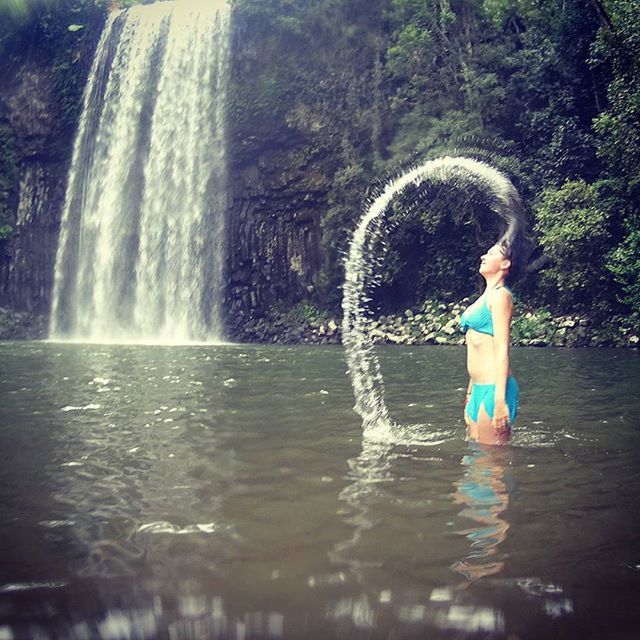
436, 324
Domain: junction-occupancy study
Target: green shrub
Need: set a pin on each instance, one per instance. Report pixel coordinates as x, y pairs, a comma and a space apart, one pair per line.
306, 312
532, 325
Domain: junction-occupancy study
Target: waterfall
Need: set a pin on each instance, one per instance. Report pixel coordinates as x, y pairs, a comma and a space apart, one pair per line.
363, 364
142, 240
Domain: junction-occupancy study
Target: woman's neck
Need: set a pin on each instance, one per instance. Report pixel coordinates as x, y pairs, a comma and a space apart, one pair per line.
494, 282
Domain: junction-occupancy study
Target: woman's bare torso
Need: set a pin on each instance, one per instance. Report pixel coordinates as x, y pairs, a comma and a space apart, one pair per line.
481, 362
481, 356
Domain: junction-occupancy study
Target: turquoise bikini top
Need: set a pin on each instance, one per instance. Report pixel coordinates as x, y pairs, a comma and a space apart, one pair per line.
478, 318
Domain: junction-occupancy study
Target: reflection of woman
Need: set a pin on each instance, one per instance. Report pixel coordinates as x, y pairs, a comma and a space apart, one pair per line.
484, 495
491, 403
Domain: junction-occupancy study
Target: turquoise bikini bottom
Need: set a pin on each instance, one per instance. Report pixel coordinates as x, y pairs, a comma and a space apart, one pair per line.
483, 394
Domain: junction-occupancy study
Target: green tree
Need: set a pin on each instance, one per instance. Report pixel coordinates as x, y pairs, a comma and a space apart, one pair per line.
618, 48
574, 226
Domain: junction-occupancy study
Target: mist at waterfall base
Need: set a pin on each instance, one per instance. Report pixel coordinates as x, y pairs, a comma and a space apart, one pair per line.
360, 276
142, 243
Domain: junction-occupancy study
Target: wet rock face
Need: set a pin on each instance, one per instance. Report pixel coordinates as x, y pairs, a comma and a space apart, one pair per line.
26, 272
283, 152
278, 197
274, 232
32, 111
29, 109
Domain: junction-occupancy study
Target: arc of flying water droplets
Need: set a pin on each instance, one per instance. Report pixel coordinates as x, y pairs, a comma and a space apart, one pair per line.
362, 362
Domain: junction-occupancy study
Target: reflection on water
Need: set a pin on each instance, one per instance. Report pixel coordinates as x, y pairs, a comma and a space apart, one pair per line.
367, 475
443, 607
134, 464
484, 495
139, 615
484, 491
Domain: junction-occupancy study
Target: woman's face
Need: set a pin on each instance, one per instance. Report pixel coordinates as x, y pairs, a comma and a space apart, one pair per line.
493, 260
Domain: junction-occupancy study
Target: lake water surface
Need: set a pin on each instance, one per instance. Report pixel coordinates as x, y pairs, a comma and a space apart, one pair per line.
226, 492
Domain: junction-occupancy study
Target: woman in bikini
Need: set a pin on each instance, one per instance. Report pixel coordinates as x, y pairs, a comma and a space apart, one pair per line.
491, 403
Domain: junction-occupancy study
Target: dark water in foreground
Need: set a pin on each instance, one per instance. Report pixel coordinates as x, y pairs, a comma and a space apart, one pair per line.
225, 492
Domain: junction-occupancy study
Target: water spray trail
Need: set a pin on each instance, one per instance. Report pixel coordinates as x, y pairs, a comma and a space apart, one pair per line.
362, 361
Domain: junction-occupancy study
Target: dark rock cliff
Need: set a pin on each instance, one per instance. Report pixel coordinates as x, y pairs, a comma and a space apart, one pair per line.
274, 229
43, 70
29, 109
281, 168
298, 102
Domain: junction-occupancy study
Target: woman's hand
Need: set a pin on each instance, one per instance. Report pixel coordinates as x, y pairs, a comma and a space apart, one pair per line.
501, 422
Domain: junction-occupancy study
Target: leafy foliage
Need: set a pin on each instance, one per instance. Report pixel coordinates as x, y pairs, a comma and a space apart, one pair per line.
617, 125
528, 326
573, 223
551, 84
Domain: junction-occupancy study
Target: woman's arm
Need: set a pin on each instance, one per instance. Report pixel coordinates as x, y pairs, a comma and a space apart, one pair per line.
501, 313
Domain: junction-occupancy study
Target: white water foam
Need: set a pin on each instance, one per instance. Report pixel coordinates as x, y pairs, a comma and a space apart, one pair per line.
168, 527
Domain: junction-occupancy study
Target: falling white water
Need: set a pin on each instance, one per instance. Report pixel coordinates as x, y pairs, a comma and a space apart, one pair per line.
141, 249
362, 361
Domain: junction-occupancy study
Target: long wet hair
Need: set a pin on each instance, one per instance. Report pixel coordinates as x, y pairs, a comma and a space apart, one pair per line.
514, 241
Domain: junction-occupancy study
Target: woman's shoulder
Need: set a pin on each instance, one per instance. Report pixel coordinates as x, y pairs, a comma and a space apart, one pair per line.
502, 297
